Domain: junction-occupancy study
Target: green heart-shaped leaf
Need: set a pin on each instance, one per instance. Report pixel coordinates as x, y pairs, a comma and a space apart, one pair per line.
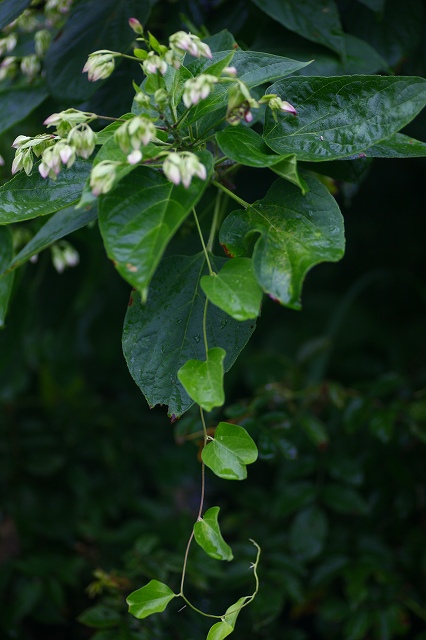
208, 536
152, 598
203, 380
234, 289
222, 629
229, 452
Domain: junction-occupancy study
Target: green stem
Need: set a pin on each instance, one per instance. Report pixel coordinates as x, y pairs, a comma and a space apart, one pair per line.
206, 344
124, 55
240, 201
215, 220
206, 253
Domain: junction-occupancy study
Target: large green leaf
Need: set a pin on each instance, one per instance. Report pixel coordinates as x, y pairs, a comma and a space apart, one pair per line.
160, 336
247, 147
316, 21
11, 9
18, 102
254, 68
152, 598
296, 232
140, 216
6, 281
234, 289
228, 453
226, 626
397, 146
25, 197
92, 26
61, 224
208, 535
341, 116
203, 379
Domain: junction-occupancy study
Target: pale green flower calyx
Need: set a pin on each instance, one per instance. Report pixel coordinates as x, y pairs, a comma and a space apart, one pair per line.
100, 65
103, 176
182, 42
181, 167
196, 89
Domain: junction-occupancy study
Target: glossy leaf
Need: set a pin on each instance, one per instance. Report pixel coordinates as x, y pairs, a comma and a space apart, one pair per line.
226, 626
6, 281
296, 232
11, 9
229, 452
222, 41
234, 289
25, 197
152, 598
91, 26
18, 102
140, 216
308, 533
287, 169
397, 146
316, 21
61, 224
341, 116
160, 336
208, 535
203, 379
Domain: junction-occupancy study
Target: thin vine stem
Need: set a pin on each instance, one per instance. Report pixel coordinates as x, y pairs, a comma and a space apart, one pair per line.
206, 253
232, 195
216, 213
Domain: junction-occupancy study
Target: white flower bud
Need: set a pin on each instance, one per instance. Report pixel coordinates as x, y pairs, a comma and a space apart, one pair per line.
30, 66
42, 40
99, 65
181, 167
154, 63
64, 255
182, 42
196, 89
136, 26
83, 139
134, 133
103, 176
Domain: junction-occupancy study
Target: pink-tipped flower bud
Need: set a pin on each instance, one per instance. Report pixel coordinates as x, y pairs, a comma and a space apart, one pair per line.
136, 26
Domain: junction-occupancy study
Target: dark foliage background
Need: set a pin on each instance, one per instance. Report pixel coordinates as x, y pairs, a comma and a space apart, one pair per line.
98, 494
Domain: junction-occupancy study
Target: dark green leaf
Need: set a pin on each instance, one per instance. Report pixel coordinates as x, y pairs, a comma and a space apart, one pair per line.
222, 629
100, 617
308, 533
374, 5
208, 535
287, 169
296, 232
397, 146
6, 281
203, 379
344, 500
222, 41
316, 21
356, 112
25, 197
152, 598
245, 146
358, 625
18, 102
11, 9
159, 337
234, 289
229, 452
58, 226
140, 216
92, 26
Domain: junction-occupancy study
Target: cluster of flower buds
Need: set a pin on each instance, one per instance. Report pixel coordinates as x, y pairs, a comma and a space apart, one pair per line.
8, 43
134, 133
181, 167
100, 64
182, 43
42, 40
64, 255
8, 67
103, 176
30, 66
196, 89
154, 63
64, 121
27, 147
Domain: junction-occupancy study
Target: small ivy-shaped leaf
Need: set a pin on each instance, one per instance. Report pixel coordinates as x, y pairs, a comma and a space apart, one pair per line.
152, 598
203, 379
226, 626
208, 536
229, 452
234, 289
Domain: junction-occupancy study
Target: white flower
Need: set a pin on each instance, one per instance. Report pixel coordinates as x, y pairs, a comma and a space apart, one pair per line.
134, 157
64, 255
154, 63
196, 89
83, 139
181, 167
134, 133
181, 42
99, 65
103, 176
